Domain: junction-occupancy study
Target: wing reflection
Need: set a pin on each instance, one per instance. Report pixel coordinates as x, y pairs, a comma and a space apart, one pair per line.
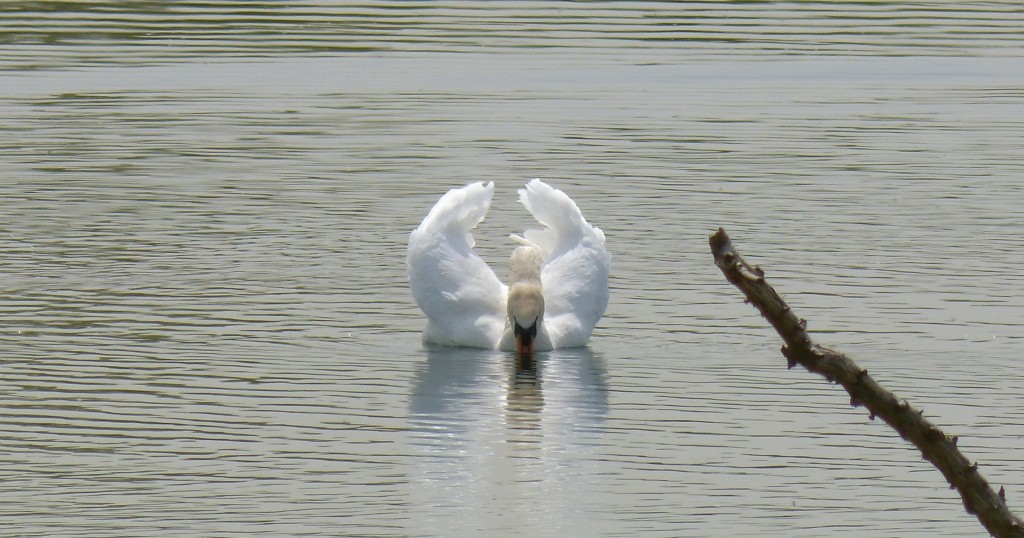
454, 389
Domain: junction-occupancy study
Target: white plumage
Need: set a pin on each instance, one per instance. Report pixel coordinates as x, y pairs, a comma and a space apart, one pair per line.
467, 305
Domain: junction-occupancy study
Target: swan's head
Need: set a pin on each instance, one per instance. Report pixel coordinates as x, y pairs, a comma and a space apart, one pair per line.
525, 313
525, 300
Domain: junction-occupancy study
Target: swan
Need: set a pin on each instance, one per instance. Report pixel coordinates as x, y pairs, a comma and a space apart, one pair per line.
558, 276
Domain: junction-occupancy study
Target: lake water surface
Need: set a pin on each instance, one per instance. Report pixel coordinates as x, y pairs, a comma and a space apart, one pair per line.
205, 327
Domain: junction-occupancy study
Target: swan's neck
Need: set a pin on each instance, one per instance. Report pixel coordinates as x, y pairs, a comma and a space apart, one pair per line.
524, 267
525, 299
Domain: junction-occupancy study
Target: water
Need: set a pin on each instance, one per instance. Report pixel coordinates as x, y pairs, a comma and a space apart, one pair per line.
206, 326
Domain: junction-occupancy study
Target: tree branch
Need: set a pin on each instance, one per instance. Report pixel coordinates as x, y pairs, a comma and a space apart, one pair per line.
978, 497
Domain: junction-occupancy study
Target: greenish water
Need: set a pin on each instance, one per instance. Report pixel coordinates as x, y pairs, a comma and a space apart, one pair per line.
205, 327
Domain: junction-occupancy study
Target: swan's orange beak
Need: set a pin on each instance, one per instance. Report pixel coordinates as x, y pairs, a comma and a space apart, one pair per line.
525, 338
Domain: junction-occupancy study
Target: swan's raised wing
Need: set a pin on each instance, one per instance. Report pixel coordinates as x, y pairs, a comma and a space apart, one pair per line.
462, 297
574, 276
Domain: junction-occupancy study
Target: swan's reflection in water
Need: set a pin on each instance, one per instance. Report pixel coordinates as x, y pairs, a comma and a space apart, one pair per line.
524, 403
495, 440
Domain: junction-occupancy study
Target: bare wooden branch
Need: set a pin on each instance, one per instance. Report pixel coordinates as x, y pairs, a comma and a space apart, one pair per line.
978, 497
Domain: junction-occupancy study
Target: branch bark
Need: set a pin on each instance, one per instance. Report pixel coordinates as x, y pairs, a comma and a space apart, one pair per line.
978, 497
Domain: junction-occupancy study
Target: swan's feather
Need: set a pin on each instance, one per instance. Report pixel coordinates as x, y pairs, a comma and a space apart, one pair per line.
463, 299
574, 276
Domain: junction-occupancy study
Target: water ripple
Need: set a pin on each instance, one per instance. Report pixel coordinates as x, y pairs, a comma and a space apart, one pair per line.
207, 329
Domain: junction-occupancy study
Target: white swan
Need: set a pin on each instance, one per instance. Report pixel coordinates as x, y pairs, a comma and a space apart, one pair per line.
558, 277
